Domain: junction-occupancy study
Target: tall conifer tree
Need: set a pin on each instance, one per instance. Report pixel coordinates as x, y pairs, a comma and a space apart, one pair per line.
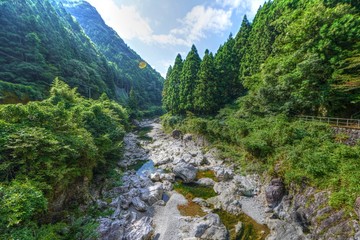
165, 93
206, 92
189, 80
174, 84
226, 63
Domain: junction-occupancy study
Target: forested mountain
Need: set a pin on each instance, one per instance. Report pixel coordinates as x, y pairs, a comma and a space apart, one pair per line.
146, 83
41, 40
296, 57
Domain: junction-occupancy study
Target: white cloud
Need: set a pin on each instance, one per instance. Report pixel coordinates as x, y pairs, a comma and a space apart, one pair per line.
125, 20
129, 24
199, 21
248, 6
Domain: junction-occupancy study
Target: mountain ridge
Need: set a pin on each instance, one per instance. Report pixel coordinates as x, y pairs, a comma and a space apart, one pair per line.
109, 43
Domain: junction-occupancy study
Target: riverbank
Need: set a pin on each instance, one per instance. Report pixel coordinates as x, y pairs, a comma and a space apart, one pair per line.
147, 207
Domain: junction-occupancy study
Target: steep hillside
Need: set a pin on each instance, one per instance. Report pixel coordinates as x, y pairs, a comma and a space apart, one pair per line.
147, 83
40, 42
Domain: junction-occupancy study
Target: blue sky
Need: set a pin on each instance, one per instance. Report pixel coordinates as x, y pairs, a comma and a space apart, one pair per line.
160, 29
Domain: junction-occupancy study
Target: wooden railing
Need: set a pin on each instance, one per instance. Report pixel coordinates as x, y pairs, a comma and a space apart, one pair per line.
338, 122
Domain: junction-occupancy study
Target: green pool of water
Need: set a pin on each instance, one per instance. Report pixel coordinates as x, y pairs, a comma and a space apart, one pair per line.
250, 230
193, 190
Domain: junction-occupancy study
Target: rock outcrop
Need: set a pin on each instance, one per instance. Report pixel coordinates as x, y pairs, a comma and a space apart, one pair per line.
186, 172
275, 192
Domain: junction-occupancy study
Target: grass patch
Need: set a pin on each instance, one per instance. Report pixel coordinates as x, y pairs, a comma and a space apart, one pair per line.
206, 174
193, 190
191, 209
250, 229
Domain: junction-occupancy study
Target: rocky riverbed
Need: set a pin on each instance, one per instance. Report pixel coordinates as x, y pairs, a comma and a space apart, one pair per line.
146, 206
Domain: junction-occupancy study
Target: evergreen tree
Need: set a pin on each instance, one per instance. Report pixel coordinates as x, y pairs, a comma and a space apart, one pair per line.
173, 101
241, 42
165, 95
206, 92
226, 64
261, 39
188, 80
242, 37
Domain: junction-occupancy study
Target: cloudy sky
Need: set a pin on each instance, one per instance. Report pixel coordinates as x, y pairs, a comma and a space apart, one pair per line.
159, 29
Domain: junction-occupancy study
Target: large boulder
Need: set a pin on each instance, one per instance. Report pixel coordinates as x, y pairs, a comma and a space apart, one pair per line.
275, 192
110, 229
155, 193
223, 174
208, 182
186, 172
210, 227
246, 185
140, 230
139, 204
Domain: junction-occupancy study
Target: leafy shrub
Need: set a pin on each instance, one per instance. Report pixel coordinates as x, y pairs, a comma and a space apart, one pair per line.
295, 150
19, 202
57, 143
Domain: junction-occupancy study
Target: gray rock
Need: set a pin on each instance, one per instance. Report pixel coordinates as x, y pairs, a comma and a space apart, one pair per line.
186, 172
155, 193
167, 186
247, 186
206, 182
274, 192
284, 230
239, 227
155, 177
162, 161
140, 230
124, 202
110, 229
139, 204
201, 202
167, 177
211, 227
223, 174
176, 134
357, 207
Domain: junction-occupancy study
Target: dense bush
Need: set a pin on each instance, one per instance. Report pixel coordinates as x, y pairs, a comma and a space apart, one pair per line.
57, 143
300, 152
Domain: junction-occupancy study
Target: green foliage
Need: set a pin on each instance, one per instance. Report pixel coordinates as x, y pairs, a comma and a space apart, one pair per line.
299, 152
20, 201
206, 91
145, 82
172, 87
58, 143
313, 65
189, 80
296, 57
40, 40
